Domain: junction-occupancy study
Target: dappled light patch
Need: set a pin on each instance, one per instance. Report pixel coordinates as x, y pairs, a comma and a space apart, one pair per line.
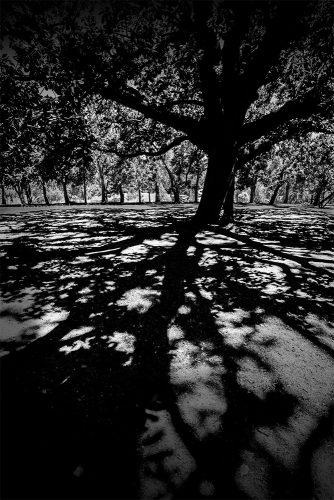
121, 341
221, 345
230, 326
255, 378
196, 374
77, 332
138, 299
166, 463
77, 344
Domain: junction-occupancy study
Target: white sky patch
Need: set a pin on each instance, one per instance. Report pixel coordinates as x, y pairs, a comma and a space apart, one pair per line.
140, 299
77, 332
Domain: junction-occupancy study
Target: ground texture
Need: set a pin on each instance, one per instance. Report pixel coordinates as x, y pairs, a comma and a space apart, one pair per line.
141, 361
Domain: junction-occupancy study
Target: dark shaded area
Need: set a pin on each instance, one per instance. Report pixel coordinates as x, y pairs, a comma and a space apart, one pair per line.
80, 403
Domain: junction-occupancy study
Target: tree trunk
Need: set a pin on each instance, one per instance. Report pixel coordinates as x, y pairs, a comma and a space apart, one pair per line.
19, 189
287, 193
253, 190
149, 196
275, 193
196, 187
104, 194
66, 197
228, 204
217, 182
317, 197
157, 193
27, 190
326, 199
3, 194
84, 189
139, 196
121, 194
176, 194
45, 196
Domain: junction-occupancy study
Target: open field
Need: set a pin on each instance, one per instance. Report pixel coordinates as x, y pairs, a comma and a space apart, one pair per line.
140, 361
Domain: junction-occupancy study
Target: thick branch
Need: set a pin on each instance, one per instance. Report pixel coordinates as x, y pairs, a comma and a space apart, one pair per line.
159, 113
160, 152
295, 130
267, 124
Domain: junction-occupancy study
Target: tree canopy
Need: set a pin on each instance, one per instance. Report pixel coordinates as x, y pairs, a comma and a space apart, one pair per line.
231, 77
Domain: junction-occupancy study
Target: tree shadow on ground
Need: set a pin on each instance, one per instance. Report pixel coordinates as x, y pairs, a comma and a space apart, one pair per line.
150, 363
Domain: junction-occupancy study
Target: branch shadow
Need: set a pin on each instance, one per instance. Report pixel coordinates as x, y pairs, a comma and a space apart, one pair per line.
162, 366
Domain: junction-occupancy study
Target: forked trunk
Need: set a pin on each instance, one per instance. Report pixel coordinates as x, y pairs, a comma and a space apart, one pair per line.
216, 185
66, 197
18, 188
3, 195
45, 196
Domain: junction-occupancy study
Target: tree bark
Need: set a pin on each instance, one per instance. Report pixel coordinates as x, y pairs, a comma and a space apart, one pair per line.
252, 190
275, 193
217, 182
198, 175
66, 197
176, 194
139, 196
84, 189
317, 197
3, 194
18, 188
121, 194
229, 204
157, 193
104, 194
27, 190
45, 196
149, 196
287, 193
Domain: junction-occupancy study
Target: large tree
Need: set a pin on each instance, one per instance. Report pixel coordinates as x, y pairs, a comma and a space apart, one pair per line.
198, 71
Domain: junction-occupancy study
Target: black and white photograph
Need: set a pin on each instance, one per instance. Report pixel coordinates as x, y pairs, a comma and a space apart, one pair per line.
166, 249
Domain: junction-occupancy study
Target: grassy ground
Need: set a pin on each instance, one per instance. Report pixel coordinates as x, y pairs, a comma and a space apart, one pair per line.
141, 362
